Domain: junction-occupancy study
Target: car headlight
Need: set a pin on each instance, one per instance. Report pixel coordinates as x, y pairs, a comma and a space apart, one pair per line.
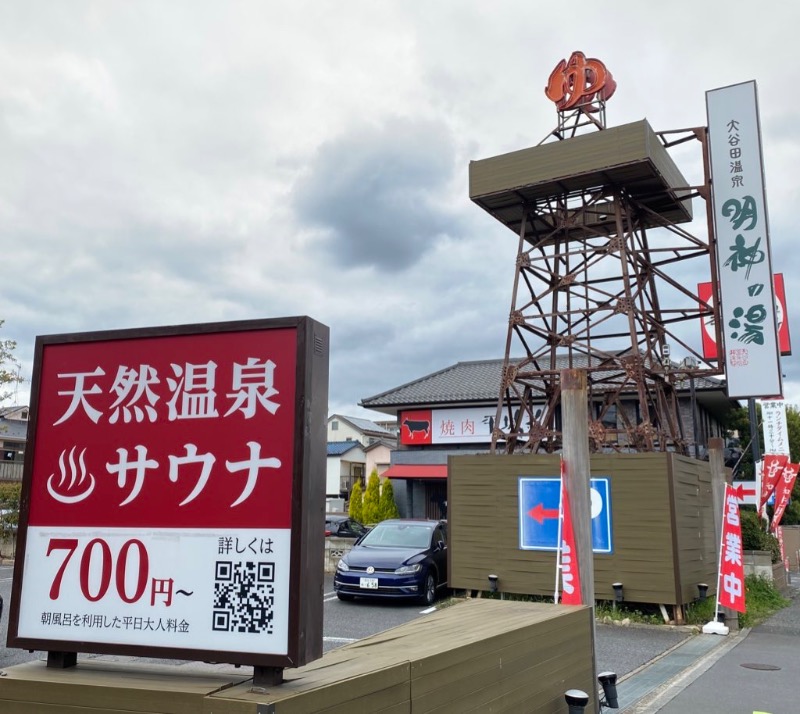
344, 567
408, 569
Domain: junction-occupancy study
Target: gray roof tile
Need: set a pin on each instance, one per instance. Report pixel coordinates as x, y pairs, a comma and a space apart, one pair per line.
477, 381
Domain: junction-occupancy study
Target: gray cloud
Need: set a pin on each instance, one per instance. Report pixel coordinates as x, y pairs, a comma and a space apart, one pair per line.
376, 193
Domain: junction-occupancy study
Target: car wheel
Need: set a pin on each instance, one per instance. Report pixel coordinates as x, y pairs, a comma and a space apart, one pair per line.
429, 594
344, 598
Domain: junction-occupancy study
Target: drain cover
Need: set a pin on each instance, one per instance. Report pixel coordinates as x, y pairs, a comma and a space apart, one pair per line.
758, 665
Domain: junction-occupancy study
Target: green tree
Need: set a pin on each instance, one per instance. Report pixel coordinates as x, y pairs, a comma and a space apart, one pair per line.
754, 537
9, 508
372, 496
9, 367
356, 506
388, 507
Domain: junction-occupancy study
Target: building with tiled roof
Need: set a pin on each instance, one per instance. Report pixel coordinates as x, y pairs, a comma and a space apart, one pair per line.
453, 411
13, 437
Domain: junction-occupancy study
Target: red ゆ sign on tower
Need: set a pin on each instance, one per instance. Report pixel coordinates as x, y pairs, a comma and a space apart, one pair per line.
167, 494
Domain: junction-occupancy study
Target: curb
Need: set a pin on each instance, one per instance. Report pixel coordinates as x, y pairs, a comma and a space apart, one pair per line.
654, 684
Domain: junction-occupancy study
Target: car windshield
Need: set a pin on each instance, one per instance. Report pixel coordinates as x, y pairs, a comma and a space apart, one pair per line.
399, 535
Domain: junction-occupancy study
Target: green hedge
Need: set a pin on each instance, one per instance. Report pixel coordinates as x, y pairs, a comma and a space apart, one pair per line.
755, 537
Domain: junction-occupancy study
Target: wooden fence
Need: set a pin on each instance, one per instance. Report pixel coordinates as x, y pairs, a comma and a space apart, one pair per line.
10, 471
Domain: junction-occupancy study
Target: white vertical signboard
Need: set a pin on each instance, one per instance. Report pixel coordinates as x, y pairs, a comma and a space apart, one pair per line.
747, 311
776, 434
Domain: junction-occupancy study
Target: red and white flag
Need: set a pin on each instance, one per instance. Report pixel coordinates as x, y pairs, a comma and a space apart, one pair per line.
570, 574
730, 586
783, 492
771, 471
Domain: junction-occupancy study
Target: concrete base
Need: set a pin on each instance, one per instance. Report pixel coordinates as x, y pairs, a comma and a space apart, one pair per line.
715, 628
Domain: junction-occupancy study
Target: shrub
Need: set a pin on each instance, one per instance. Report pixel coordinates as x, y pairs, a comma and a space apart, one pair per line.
388, 508
755, 537
9, 506
10, 494
762, 599
371, 511
356, 506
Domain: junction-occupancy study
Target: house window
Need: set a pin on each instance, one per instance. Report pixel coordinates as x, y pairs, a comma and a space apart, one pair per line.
13, 451
334, 425
24, 415
609, 418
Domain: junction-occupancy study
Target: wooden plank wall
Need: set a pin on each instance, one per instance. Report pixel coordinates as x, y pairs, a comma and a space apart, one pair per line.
484, 526
695, 535
475, 656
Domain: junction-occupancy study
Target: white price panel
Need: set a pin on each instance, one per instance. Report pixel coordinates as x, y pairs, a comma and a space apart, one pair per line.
184, 588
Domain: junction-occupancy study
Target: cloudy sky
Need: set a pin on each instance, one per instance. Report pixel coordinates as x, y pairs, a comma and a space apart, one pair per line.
180, 162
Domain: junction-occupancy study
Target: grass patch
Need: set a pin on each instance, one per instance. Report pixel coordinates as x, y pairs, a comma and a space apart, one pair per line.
762, 600
645, 614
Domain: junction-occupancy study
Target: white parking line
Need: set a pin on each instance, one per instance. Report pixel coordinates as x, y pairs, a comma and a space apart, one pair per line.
343, 640
428, 611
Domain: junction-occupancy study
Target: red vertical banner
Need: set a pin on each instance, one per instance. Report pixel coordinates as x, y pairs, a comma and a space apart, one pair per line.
709, 332
779, 536
780, 313
783, 491
570, 574
771, 471
731, 591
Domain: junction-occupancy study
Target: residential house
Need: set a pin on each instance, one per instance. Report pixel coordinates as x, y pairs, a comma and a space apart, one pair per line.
13, 437
356, 447
345, 465
345, 428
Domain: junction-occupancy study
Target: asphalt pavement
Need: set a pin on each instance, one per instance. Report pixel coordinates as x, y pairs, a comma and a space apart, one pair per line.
753, 671
663, 669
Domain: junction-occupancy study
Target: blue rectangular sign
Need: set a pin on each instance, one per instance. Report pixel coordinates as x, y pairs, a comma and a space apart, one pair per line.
538, 513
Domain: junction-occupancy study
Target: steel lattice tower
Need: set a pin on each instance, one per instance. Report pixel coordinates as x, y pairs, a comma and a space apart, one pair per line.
600, 282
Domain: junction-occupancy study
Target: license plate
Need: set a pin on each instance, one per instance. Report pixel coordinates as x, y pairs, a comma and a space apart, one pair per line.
368, 583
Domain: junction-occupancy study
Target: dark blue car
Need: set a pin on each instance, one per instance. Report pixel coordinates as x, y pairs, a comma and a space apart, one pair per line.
400, 558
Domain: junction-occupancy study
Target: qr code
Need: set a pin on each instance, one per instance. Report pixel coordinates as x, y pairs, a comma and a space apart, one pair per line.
244, 594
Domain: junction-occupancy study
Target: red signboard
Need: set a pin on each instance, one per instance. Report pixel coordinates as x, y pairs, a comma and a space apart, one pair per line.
706, 295
416, 427
162, 487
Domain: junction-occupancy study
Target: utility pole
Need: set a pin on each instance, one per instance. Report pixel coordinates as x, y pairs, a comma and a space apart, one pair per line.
575, 430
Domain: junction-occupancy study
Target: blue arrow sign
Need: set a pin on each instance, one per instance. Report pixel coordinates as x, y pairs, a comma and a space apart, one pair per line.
538, 513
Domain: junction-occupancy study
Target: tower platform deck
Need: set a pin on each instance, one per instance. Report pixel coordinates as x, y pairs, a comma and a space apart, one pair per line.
628, 157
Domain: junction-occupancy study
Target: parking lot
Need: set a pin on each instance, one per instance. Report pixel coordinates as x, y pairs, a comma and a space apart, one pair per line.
620, 649
343, 621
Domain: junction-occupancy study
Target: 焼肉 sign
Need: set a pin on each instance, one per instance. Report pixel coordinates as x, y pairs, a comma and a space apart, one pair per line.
167, 493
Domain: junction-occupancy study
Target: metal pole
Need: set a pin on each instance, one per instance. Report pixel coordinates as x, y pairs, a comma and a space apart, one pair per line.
694, 417
756, 446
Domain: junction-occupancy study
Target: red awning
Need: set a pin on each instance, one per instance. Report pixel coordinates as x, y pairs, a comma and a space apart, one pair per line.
416, 471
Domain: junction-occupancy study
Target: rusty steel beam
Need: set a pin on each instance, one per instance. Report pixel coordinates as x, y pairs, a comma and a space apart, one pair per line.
588, 293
